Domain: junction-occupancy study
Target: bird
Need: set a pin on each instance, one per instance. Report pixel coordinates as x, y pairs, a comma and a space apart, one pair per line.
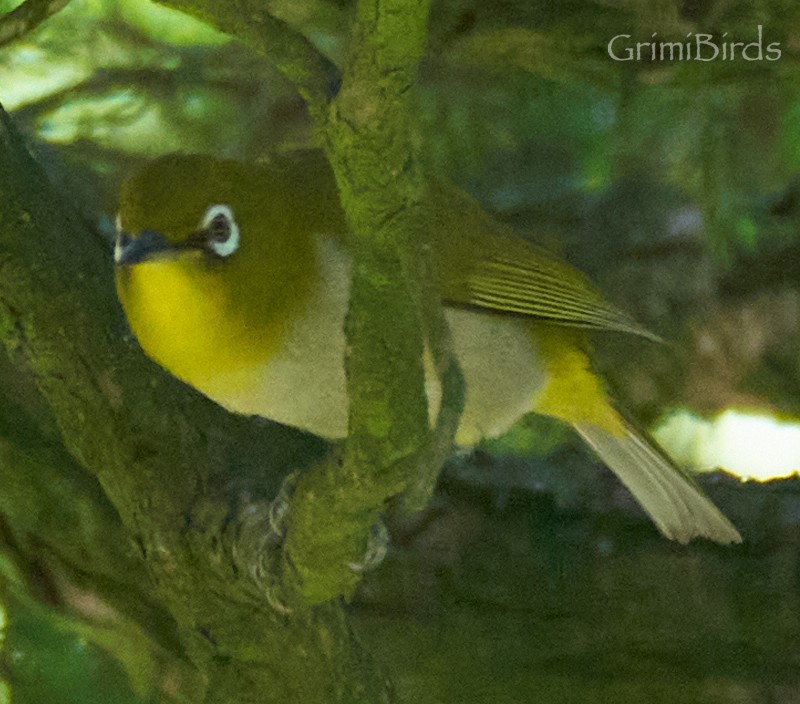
235, 277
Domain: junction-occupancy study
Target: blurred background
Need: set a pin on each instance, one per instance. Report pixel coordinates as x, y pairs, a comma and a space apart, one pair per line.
674, 184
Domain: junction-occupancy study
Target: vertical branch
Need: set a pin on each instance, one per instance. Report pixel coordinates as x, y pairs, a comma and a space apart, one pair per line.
369, 140
368, 133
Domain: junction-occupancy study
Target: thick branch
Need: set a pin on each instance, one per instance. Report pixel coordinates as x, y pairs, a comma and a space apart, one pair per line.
170, 462
57, 512
394, 309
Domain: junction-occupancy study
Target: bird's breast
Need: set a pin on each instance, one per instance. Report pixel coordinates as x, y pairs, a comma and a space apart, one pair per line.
292, 370
302, 382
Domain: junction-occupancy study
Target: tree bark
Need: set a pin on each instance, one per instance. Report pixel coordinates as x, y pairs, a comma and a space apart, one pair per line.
181, 473
191, 483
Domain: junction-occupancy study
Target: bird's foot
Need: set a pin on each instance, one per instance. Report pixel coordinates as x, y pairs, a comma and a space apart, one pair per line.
377, 547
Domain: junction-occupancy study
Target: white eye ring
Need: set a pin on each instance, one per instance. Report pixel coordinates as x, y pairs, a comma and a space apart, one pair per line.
223, 248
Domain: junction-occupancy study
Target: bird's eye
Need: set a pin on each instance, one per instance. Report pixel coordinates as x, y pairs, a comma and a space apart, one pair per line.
221, 230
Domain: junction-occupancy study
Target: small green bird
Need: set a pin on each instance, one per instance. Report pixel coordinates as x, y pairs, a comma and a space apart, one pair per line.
236, 279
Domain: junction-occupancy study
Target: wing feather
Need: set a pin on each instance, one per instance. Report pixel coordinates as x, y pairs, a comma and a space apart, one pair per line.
486, 264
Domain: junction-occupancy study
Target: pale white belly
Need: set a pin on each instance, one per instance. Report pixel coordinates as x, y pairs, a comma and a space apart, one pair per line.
304, 384
502, 373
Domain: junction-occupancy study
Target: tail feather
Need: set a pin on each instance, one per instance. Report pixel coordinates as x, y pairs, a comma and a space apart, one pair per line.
675, 503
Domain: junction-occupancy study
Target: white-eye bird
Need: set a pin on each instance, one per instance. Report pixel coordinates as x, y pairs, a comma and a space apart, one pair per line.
235, 278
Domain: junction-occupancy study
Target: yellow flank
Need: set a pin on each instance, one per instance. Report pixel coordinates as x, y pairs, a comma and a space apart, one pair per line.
572, 393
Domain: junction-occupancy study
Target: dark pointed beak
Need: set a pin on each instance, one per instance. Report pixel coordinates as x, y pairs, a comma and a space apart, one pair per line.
132, 250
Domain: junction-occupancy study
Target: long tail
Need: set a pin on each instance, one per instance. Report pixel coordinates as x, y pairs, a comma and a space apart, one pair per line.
676, 504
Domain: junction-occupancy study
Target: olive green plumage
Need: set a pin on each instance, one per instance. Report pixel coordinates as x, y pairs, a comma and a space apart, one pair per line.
236, 278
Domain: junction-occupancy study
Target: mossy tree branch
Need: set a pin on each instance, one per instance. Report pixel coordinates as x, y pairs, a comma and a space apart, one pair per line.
178, 470
161, 454
368, 133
